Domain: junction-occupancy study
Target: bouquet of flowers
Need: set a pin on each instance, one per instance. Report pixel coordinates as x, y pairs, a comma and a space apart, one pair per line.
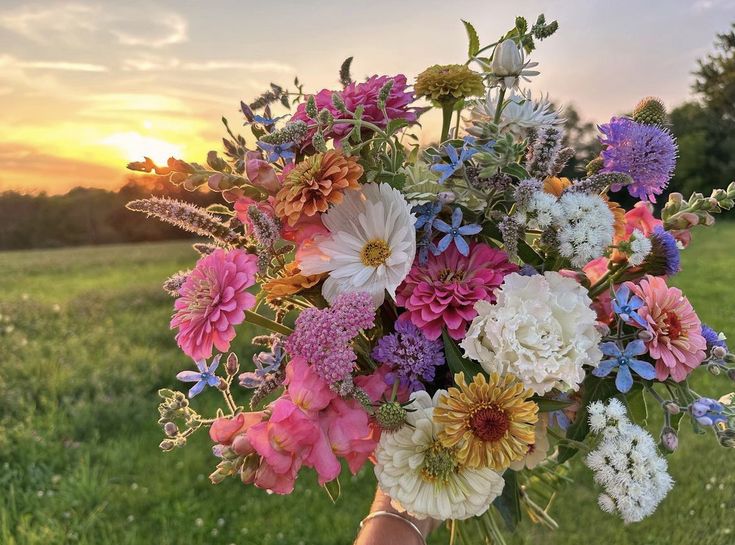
462, 315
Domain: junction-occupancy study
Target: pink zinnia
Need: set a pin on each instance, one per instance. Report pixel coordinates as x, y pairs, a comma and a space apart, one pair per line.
213, 300
363, 94
677, 345
445, 290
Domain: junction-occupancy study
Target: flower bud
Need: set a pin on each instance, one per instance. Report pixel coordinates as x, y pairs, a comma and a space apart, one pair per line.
731, 374
222, 385
671, 407
645, 335
719, 352
232, 366
248, 469
507, 59
166, 445
241, 445
604, 329
446, 197
669, 439
714, 369
391, 416
217, 476
311, 110
727, 438
170, 429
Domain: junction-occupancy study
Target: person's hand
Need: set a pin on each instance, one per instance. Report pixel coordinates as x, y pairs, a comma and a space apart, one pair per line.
390, 530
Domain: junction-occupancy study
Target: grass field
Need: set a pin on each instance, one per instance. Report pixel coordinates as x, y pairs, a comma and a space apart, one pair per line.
85, 345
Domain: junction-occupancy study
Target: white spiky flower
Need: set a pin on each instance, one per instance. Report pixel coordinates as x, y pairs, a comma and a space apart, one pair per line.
520, 114
625, 463
370, 247
640, 247
425, 478
585, 227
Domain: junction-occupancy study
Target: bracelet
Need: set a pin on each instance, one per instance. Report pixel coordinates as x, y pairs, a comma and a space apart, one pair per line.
395, 516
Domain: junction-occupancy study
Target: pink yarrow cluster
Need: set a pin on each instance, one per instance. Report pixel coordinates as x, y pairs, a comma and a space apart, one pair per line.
309, 426
363, 94
445, 290
213, 300
322, 336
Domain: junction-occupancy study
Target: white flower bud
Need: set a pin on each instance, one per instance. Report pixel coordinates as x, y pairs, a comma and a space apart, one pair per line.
507, 59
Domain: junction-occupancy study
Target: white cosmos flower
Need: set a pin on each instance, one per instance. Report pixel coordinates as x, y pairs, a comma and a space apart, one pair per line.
520, 114
541, 329
537, 451
371, 245
423, 477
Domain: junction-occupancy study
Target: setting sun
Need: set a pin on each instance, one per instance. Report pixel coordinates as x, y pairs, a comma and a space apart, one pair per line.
135, 146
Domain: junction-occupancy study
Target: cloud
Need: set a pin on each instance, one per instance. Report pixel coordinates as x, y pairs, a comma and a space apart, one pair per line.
63, 65
706, 5
84, 24
150, 63
68, 23
165, 29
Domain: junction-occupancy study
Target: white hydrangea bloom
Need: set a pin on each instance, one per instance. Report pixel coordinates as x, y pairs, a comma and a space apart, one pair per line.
422, 477
541, 329
585, 227
626, 464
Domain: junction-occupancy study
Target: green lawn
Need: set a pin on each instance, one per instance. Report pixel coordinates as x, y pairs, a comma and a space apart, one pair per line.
85, 345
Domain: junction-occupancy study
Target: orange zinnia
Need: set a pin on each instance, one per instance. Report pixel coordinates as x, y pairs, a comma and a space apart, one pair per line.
315, 183
290, 283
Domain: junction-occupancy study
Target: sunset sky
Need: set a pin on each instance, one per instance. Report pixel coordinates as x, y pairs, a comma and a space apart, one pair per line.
87, 86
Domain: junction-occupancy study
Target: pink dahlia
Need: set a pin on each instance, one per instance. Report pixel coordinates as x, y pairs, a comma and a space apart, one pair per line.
213, 300
677, 345
363, 94
444, 291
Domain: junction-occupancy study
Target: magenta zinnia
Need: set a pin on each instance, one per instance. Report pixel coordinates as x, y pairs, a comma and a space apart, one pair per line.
677, 346
213, 300
445, 290
363, 94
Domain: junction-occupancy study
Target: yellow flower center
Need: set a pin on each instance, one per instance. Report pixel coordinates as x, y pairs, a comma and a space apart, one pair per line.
439, 463
375, 252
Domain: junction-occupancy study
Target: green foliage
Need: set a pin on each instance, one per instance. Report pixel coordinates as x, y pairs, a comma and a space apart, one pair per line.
456, 362
474, 41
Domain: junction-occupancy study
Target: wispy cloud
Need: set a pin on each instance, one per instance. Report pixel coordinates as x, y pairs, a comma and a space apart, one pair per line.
67, 23
706, 5
166, 29
150, 63
63, 65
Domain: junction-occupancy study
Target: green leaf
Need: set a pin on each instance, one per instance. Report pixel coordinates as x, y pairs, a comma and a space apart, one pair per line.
474, 45
548, 405
521, 25
266, 323
456, 362
333, 489
508, 503
593, 389
635, 401
516, 170
395, 125
219, 209
525, 252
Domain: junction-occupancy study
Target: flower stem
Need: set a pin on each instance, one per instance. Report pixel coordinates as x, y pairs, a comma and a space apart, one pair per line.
447, 109
267, 323
499, 107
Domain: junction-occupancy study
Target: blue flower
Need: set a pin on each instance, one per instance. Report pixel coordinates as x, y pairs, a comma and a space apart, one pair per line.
278, 151
713, 338
664, 258
266, 363
203, 377
445, 170
425, 216
455, 233
625, 362
263, 120
707, 411
626, 306
559, 418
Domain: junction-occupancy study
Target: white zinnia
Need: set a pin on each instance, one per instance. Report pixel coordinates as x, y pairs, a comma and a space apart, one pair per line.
541, 329
371, 245
422, 477
520, 114
626, 464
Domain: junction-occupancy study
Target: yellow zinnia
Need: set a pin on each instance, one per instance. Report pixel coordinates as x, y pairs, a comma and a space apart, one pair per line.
491, 422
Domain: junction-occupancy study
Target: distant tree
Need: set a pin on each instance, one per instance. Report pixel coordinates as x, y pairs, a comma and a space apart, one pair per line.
705, 128
582, 136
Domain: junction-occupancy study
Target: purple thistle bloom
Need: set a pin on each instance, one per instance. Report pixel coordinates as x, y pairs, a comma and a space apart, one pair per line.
412, 356
713, 338
646, 152
624, 361
707, 411
664, 258
626, 306
455, 233
203, 377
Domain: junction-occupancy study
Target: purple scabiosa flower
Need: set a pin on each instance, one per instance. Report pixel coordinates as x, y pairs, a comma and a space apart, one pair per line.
412, 356
713, 338
455, 233
323, 336
664, 258
646, 152
707, 411
204, 375
625, 362
626, 307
